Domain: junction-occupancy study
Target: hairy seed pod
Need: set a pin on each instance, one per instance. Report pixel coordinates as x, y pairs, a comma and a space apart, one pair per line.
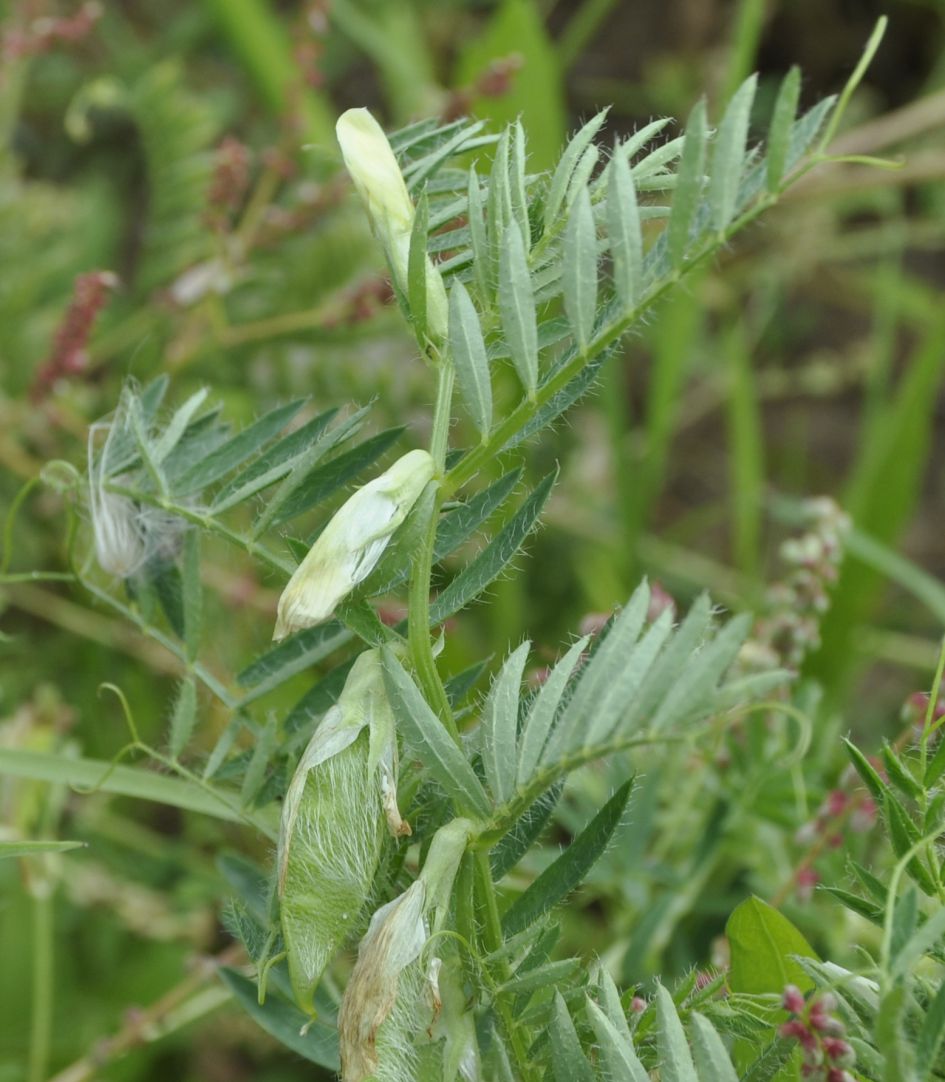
343, 792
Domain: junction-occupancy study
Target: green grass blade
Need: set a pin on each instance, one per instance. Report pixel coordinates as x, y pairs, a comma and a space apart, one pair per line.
8, 850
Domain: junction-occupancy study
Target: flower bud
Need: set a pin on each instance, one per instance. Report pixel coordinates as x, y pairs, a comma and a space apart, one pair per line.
332, 824
380, 183
349, 547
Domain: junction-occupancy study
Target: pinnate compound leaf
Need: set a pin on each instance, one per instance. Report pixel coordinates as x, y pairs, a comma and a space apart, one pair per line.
763, 943
469, 355
430, 741
561, 877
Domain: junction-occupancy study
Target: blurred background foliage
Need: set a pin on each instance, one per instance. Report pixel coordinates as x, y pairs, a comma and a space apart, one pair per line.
187, 149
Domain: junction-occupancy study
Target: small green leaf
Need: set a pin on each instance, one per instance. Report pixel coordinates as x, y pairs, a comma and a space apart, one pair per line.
417, 269
688, 185
237, 449
517, 193
904, 834
899, 773
561, 179
513, 845
264, 749
493, 558
762, 943
561, 877
569, 1063
468, 350
184, 716
580, 269
728, 155
425, 734
500, 725
286, 1023
8, 849
544, 710
675, 1058
616, 1048
295, 654
779, 134
517, 308
867, 772
624, 233
178, 425
709, 1053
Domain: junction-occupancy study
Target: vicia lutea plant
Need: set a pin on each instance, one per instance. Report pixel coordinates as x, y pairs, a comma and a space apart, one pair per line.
499, 271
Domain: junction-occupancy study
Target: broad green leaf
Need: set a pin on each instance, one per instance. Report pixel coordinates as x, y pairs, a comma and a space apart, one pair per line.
237, 449
569, 1064
561, 178
468, 350
779, 134
561, 877
728, 155
580, 269
500, 725
708, 1051
544, 710
286, 1023
624, 233
318, 485
427, 737
688, 185
184, 716
616, 1048
489, 564
124, 780
9, 849
675, 1058
762, 943
517, 308
417, 269
514, 844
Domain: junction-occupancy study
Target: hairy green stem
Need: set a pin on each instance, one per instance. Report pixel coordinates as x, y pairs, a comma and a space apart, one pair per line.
418, 616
